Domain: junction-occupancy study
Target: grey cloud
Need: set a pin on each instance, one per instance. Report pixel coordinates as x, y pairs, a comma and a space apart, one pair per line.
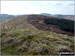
59, 4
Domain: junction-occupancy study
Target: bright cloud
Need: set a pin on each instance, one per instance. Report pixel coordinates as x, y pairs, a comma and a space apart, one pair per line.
36, 7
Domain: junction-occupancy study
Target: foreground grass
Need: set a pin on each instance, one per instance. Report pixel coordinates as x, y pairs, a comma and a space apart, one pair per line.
34, 42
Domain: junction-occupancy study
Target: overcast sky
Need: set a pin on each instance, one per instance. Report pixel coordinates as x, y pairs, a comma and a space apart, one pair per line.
37, 7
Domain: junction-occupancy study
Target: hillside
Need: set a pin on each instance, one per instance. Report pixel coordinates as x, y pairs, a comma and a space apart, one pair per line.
19, 22
40, 22
34, 42
61, 26
36, 35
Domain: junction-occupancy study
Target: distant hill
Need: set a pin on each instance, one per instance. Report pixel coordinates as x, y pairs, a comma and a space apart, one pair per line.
46, 14
4, 17
70, 17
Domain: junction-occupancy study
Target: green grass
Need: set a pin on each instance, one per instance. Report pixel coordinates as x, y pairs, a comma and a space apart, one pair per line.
34, 42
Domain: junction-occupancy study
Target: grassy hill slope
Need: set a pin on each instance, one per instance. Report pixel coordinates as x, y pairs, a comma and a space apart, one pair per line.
35, 42
19, 22
29, 35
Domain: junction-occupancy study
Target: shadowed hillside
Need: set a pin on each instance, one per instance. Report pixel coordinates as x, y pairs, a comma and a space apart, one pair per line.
62, 26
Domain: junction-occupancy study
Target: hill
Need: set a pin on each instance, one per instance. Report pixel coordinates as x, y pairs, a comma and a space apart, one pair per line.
36, 35
4, 17
46, 14
40, 22
68, 17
